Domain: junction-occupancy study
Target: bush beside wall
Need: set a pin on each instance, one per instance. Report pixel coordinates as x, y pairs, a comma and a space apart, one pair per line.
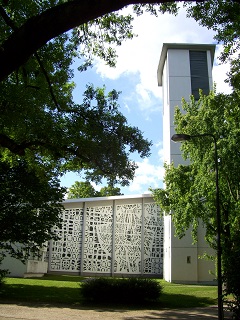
116, 290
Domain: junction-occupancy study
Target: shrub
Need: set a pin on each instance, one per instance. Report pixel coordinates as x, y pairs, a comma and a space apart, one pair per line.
116, 290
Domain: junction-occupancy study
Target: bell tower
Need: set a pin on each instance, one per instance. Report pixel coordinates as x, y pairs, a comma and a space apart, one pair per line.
183, 70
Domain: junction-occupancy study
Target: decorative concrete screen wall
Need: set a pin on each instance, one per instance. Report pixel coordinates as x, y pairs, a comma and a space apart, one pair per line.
109, 236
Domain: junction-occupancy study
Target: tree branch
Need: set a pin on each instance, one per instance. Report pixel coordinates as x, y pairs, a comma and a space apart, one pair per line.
230, 189
11, 24
10, 144
20, 149
48, 81
38, 30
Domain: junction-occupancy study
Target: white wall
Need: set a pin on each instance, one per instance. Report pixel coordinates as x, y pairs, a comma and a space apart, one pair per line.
16, 267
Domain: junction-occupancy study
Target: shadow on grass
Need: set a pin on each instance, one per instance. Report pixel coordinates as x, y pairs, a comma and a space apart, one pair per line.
41, 296
175, 301
62, 277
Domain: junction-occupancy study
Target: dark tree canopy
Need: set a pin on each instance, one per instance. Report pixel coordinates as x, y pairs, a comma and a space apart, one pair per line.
29, 206
39, 119
36, 27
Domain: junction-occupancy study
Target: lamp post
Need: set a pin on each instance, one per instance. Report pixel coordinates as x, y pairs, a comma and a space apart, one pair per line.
186, 137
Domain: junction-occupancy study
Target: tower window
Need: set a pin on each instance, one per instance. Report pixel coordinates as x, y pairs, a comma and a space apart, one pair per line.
199, 72
188, 259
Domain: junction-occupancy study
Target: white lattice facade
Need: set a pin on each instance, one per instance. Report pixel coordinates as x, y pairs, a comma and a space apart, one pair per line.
109, 236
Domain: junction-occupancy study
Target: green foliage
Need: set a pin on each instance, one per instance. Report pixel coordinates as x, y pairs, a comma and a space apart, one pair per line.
99, 37
46, 124
43, 132
81, 189
115, 290
224, 18
190, 190
29, 208
190, 194
84, 189
110, 190
93, 136
155, 8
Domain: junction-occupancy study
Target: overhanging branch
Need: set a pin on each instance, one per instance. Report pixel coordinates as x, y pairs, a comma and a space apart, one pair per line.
38, 30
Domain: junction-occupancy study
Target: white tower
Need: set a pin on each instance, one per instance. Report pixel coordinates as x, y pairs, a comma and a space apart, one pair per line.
183, 70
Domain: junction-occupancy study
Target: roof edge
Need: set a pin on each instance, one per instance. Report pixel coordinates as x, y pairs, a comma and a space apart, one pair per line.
191, 46
94, 199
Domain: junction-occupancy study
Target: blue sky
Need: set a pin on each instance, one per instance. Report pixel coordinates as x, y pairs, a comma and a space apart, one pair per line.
141, 99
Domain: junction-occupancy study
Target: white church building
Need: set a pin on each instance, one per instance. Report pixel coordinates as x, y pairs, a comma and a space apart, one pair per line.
126, 235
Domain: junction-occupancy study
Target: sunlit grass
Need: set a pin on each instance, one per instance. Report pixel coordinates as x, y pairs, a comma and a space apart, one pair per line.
65, 289
184, 296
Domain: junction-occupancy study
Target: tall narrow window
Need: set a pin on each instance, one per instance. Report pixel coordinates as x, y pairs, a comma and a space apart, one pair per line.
199, 72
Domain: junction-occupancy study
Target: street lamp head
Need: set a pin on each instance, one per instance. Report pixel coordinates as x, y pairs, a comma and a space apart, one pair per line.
180, 137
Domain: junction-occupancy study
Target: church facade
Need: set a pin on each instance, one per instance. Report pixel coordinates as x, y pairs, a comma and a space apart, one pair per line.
129, 235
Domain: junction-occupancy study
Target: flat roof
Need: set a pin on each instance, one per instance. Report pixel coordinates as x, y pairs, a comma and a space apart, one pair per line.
184, 46
134, 196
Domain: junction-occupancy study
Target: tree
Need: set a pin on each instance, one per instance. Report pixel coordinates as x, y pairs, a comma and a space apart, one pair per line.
36, 28
224, 18
110, 190
45, 121
29, 207
81, 189
190, 192
84, 189
43, 133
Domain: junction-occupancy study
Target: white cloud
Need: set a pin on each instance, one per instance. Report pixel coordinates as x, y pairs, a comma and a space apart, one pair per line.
219, 73
147, 175
140, 56
138, 60
144, 97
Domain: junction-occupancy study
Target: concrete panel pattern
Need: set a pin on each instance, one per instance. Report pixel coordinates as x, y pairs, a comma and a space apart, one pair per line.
98, 239
65, 253
122, 237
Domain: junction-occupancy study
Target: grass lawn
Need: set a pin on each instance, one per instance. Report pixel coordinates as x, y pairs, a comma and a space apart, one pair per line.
65, 289
184, 296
